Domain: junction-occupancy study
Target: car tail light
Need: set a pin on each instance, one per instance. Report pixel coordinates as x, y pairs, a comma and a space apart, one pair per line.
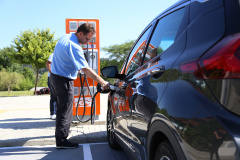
220, 62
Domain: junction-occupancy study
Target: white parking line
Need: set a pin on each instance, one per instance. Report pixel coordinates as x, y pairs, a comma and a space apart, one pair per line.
40, 151
87, 155
52, 146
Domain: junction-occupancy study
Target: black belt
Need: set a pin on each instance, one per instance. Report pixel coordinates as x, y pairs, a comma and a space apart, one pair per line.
61, 77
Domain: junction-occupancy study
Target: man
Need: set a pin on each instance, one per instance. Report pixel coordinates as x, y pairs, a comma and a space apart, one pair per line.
52, 101
219, 136
68, 59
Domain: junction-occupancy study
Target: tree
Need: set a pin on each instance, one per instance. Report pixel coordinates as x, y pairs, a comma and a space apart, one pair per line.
43, 80
118, 53
107, 62
28, 81
26, 84
34, 47
28, 73
9, 80
6, 62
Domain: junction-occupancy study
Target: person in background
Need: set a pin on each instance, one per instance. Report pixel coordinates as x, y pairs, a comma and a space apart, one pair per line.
67, 61
52, 100
219, 136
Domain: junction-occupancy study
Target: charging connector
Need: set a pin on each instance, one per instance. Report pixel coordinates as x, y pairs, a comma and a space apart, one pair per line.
112, 88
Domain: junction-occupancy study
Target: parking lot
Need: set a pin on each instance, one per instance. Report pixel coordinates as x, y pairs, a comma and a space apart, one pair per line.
25, 121
84, 152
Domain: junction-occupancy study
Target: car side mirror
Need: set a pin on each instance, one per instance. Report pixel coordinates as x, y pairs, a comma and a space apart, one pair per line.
111, 72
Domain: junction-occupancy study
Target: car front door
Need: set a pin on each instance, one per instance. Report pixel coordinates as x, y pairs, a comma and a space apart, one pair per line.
120, 99
148, 81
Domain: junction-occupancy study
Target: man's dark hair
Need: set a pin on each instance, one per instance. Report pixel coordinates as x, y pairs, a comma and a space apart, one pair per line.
85, 28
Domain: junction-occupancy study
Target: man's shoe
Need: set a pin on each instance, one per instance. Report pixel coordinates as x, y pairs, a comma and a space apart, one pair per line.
53, 117
66, 144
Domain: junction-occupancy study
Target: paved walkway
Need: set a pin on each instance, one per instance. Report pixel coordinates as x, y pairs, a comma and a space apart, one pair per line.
25, 121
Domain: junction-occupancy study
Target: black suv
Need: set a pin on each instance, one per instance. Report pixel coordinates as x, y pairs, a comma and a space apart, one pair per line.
179, 87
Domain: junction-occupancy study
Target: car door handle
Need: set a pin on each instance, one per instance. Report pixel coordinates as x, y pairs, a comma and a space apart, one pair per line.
158, 72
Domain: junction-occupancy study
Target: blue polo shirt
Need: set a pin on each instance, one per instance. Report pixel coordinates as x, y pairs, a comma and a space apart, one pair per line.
50, 60
68, 57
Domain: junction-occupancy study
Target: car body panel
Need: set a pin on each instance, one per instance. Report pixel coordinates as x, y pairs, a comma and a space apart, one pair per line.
157, 101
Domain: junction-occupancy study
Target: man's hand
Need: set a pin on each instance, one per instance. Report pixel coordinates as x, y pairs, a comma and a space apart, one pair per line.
48, 65
105, 85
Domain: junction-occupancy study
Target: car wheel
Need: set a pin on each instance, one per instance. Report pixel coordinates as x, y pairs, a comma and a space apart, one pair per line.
165, 152
110, 130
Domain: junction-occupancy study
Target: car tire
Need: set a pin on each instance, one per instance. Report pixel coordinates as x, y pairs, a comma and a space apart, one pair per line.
165, 152
110, 130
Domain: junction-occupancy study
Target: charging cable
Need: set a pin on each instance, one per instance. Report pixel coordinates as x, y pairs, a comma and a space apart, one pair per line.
100, 90
80, 119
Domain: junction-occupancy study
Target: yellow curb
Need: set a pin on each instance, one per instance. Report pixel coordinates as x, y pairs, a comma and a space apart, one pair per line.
2, 111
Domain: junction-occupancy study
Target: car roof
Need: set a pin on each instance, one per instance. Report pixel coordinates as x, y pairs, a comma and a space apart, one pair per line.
179, 2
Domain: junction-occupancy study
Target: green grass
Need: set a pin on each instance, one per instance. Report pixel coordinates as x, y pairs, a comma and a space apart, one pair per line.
15, 93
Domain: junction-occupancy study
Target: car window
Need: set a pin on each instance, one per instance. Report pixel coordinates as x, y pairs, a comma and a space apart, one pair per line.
136, 55
164, 34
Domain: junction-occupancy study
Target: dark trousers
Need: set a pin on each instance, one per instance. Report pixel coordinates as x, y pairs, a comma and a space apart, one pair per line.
52, 100
214, 149
63, 93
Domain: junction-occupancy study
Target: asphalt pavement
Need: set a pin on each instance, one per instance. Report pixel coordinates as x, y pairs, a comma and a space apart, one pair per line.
91, 151
25, 121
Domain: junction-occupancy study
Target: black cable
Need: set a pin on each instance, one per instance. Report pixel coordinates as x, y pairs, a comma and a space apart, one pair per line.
93, 106
93, 102
93, 115
81, 93
84, 103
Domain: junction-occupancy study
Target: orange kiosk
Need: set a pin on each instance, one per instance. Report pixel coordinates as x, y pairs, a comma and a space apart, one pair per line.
92, 55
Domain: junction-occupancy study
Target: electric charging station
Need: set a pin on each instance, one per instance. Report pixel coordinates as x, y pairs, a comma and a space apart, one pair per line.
82, 106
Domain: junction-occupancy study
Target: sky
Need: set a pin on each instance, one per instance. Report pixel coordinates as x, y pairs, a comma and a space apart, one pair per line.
120, 20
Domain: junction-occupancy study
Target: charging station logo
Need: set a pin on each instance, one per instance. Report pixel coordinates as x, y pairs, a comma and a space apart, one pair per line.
88, 101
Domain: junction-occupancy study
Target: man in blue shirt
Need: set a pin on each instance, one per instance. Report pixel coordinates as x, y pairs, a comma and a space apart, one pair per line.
68, 59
